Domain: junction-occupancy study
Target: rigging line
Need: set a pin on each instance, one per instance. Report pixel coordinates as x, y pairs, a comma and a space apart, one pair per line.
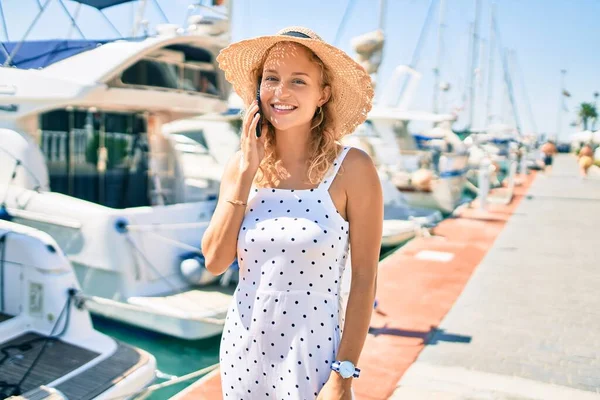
4, 23
4, 50
342, 24
507, 78
77, 10
417, 51
27, 169
160, 10
13, 175
148, 262
29, 29
66, 309
143, 393
73, 22
524, 89
110, 23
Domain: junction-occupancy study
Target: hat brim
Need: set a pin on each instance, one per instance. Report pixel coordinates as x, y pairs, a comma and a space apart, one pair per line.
351, 85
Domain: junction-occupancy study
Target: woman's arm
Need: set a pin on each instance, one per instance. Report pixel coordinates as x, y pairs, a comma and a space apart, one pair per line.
364, 210
219, 242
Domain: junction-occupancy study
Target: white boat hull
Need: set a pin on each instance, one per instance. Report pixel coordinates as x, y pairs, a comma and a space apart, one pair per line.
396, 232
181, 315
37, 278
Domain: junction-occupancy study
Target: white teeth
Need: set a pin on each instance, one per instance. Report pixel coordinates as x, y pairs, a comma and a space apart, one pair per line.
283, 107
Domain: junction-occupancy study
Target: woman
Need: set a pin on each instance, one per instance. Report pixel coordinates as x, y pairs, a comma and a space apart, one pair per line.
292, 201
548, 150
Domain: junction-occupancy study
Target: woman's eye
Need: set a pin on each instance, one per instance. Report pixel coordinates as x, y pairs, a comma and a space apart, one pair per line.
270, 78
299, 81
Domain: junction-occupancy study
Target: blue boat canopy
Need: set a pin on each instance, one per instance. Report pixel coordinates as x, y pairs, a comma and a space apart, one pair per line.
41, 53
100, 4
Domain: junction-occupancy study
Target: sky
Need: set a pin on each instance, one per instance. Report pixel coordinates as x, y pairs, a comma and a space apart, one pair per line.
543, 37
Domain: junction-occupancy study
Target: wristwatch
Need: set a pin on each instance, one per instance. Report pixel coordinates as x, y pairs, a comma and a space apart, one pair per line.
346, 369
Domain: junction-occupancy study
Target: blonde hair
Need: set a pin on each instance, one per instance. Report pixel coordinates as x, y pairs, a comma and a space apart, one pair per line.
324, 138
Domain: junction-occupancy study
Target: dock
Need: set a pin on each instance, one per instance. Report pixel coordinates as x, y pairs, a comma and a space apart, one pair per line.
499, 303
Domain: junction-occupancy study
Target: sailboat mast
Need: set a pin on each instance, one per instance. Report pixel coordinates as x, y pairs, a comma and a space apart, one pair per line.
438, 60
474, 57
507, 77
490, 82
381, 14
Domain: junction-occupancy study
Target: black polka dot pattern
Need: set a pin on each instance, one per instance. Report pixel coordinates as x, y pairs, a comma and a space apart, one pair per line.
283, 328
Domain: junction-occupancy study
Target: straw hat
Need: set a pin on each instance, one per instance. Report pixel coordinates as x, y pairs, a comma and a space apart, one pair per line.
351, 86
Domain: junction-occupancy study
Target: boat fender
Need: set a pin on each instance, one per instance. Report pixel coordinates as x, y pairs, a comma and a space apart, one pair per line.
193, 269
421, 179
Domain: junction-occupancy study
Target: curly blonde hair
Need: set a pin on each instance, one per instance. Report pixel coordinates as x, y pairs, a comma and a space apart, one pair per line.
324, 139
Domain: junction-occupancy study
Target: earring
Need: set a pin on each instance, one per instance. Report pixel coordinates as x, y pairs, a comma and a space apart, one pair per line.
320, 113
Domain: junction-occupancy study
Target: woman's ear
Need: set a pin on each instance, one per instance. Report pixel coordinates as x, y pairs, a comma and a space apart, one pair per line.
325, 95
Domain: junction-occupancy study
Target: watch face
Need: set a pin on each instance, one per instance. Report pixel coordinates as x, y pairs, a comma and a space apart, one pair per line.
346, 369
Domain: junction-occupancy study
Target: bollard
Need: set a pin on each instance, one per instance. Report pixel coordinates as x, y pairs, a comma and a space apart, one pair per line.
484, 182
523, 162
512, 172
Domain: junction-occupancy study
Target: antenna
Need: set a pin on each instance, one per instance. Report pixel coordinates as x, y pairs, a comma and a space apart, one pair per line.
138, 17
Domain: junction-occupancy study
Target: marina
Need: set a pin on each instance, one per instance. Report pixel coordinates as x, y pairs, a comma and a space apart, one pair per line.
112, 153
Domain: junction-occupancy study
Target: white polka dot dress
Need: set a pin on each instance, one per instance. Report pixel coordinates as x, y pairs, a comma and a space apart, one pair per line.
284, 326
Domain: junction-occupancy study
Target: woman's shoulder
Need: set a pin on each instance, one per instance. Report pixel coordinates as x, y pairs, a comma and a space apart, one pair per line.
357, 159
358, 163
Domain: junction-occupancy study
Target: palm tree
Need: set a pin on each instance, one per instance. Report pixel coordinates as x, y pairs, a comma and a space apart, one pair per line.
587, 111
596, 94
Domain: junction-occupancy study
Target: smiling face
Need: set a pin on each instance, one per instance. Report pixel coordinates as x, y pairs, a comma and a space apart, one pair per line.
292, 87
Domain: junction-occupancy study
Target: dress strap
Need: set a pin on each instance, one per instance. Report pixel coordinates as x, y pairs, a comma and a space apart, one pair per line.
332, 173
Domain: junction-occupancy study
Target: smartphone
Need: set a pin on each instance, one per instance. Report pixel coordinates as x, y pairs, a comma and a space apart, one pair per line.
259, 124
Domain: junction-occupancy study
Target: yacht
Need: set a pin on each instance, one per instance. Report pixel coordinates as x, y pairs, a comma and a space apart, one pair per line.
81, 127
50, 350
432, 177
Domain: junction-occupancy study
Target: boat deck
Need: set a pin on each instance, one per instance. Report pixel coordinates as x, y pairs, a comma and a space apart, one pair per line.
210, 301
60, 358
5, 317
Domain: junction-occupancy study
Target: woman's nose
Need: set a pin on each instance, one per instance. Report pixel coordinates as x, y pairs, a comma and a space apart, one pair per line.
282, 90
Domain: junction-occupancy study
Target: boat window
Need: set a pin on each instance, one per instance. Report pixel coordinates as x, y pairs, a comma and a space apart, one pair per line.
152, 73
196, 135
98, 157
197, 77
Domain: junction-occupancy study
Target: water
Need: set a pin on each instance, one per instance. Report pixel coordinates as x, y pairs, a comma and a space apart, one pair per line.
175, 356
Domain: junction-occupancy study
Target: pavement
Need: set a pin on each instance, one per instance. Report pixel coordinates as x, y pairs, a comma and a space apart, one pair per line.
527, 324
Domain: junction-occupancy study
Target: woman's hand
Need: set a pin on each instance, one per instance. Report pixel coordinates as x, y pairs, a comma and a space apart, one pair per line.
336, 388
253, 148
